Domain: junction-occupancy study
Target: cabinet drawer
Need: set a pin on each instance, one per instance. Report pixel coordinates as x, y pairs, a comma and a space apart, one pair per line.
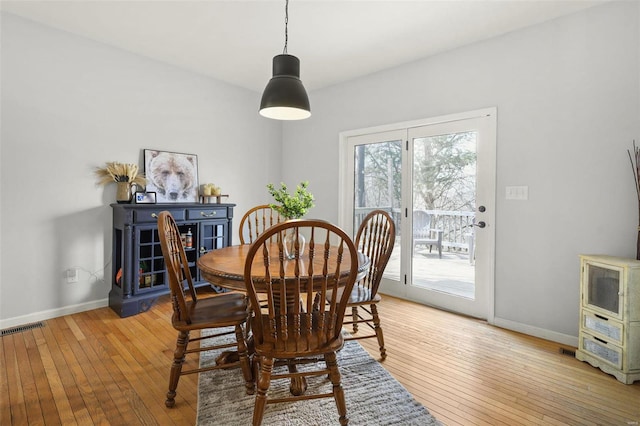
601, 349
599, 325
140, 216
207, 213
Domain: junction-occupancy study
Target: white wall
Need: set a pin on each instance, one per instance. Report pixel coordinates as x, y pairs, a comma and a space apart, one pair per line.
70, 105
568, 99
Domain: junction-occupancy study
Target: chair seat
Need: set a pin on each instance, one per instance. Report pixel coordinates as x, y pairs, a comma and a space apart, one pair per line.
217, 311
360, 295
308, 342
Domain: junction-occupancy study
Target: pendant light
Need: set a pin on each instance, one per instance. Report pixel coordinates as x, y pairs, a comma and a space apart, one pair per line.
285, 98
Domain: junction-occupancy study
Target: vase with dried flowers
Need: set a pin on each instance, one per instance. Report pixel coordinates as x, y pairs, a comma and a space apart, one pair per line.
124, 175
635, 164
292, 206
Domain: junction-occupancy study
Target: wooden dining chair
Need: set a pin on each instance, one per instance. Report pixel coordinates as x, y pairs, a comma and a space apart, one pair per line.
191, 313
256, 220
290, 330
375, 238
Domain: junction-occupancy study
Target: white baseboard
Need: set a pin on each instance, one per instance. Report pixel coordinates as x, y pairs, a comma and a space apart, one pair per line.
542, 333
52, 313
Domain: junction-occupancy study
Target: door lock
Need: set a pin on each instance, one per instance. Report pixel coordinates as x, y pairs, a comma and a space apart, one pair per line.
480, 224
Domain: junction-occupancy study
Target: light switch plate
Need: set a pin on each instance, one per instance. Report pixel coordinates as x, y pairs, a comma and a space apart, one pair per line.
517, 193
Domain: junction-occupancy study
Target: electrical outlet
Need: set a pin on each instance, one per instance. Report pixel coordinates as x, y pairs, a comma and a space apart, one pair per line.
72, 275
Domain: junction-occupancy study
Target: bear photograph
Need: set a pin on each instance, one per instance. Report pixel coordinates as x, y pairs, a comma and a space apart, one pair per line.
172, 176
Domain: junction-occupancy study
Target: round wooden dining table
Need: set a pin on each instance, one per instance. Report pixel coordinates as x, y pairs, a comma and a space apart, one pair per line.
225, 267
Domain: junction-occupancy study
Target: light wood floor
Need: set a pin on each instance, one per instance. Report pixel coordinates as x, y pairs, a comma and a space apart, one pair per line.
96, 368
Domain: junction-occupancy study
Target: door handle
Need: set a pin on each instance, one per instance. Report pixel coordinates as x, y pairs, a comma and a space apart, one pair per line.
480, 224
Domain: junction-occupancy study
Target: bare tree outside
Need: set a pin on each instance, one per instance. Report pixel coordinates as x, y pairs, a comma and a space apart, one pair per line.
444, 171
378, 171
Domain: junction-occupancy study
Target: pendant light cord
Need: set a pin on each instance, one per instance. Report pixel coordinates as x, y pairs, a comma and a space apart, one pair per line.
286, 27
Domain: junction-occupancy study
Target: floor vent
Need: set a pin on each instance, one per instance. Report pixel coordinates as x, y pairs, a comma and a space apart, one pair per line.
21, 328
569, 352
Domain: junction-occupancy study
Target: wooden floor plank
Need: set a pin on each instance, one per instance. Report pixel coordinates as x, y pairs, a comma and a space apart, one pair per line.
5, 407
43, 394
82, 369
14, 390
58, 394
115, 383
27, 381
102, 369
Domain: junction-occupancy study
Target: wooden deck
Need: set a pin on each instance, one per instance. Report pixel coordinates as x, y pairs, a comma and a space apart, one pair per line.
452, 274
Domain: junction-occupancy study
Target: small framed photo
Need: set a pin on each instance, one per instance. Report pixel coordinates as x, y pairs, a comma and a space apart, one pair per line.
145, 198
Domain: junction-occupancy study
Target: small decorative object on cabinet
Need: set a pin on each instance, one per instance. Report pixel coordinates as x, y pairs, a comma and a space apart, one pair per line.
138, 272
610, 315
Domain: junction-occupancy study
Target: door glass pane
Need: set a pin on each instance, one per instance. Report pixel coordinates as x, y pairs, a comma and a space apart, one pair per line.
377, 185
444, 184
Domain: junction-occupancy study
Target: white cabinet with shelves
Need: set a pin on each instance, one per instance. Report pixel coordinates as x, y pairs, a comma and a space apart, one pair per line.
610, 315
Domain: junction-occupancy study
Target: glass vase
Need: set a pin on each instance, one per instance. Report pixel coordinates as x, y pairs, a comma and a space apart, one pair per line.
293, 241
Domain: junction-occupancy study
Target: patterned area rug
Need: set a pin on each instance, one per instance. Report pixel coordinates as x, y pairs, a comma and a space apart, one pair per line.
373, 396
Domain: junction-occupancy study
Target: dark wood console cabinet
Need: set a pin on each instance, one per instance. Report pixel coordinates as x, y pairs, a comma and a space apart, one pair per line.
138, 274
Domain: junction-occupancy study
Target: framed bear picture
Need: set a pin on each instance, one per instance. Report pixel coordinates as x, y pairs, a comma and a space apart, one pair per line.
172, 176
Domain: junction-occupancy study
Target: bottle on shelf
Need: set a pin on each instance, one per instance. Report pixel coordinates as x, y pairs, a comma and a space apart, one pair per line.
189, 239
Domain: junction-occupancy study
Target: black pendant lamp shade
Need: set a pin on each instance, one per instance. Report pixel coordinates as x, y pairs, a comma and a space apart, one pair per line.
285, 98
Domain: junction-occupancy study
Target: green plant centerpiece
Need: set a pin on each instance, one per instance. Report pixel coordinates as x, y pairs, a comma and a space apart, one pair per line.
292, 206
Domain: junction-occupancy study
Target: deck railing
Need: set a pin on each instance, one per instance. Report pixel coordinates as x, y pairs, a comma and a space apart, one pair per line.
457, 226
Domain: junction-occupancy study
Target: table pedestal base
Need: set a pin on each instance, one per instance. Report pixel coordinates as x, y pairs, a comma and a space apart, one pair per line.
227, 357
298, 384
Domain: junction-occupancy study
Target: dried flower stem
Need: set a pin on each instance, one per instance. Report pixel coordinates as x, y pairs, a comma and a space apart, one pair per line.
119, 172
635, 168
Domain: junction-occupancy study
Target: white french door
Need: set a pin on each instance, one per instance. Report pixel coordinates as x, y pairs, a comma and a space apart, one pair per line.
436, 177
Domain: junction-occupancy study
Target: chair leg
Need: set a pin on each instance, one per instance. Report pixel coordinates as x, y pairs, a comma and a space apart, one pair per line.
176, 367
354, 314
378, 329
244, 361
264, 380
338, 392
247, 327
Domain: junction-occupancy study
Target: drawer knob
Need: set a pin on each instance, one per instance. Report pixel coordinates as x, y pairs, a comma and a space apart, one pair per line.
212, 214
153, 215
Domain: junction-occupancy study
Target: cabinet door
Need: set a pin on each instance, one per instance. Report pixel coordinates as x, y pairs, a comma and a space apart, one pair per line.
148, 262
213, 235
189, 232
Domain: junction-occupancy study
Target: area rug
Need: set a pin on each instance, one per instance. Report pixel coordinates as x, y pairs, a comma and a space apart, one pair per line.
372, 395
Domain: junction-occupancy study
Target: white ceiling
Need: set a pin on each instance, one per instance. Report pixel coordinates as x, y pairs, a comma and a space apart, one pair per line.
234, 41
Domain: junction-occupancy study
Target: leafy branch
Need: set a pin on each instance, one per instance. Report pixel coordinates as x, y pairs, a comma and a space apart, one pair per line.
291, 206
